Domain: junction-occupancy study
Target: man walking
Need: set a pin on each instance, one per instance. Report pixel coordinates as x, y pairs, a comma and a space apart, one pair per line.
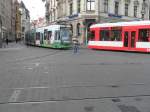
75, 45
7, 41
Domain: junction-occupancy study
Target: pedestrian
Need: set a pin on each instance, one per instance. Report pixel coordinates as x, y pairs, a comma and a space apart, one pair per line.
16, 40
7, 41
75, 45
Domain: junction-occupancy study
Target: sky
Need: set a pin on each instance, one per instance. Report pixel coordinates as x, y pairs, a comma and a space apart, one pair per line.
36, 8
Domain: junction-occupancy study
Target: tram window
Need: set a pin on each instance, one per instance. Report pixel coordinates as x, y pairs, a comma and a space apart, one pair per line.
104, 35
116, 35
57, 35
45, 34
144, 35
49, 35
37, 36
91, 35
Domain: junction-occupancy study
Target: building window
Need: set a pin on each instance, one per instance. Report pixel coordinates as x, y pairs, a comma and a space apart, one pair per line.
78, 29
142, 16
105, 5
71, 29
54, 15
79, 6
135, 11
90, 5
126, 9
71, 8
116, 7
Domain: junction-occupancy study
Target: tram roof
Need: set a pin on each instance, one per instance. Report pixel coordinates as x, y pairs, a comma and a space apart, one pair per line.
119, 24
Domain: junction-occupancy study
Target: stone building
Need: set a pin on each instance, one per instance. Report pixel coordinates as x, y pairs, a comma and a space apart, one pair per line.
5, 15
13, 19
17, 21
81, 14
51, 11
25, 19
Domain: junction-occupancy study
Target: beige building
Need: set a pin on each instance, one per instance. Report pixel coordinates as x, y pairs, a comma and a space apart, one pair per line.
25, 19
17, 21
51, 11
81, 14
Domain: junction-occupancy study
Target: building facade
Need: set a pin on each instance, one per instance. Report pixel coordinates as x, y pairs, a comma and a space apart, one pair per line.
5, 15
17, 21
81, 14
13, 20
51, 11
25, 19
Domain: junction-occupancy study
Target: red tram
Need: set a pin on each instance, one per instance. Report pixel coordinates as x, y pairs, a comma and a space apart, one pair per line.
122, 36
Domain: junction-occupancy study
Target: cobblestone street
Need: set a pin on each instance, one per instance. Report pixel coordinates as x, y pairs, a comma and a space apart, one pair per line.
37, 79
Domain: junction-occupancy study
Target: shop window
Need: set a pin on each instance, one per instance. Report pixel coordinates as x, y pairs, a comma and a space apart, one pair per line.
144, 35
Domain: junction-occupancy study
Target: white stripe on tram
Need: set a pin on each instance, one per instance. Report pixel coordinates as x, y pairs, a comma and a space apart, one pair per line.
106, 43
142, 44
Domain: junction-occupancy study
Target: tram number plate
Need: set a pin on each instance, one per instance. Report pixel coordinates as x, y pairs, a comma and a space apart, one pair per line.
148, 50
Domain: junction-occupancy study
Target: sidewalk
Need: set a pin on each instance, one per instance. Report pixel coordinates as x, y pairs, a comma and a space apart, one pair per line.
12, 45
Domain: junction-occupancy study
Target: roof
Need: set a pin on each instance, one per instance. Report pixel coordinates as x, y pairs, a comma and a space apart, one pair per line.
49, 28
133, 23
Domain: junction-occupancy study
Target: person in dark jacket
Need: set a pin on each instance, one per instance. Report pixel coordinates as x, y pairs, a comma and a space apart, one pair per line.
7, 41
75, 45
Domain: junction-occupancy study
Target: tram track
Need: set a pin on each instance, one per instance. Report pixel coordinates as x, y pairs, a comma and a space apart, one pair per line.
74, 99
35, 57
69, 97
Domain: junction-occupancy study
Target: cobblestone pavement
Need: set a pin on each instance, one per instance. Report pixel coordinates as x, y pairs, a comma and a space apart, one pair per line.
36, 79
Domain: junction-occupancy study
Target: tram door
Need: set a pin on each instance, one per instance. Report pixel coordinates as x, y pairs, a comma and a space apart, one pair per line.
129, 39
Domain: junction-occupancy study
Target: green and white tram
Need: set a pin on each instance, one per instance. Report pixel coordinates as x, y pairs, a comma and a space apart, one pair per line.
53, 36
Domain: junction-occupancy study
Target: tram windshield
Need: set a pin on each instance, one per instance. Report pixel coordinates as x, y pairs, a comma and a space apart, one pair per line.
64, 34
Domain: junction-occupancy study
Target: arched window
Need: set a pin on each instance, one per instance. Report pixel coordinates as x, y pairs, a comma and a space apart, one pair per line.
71, 28
78, 29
